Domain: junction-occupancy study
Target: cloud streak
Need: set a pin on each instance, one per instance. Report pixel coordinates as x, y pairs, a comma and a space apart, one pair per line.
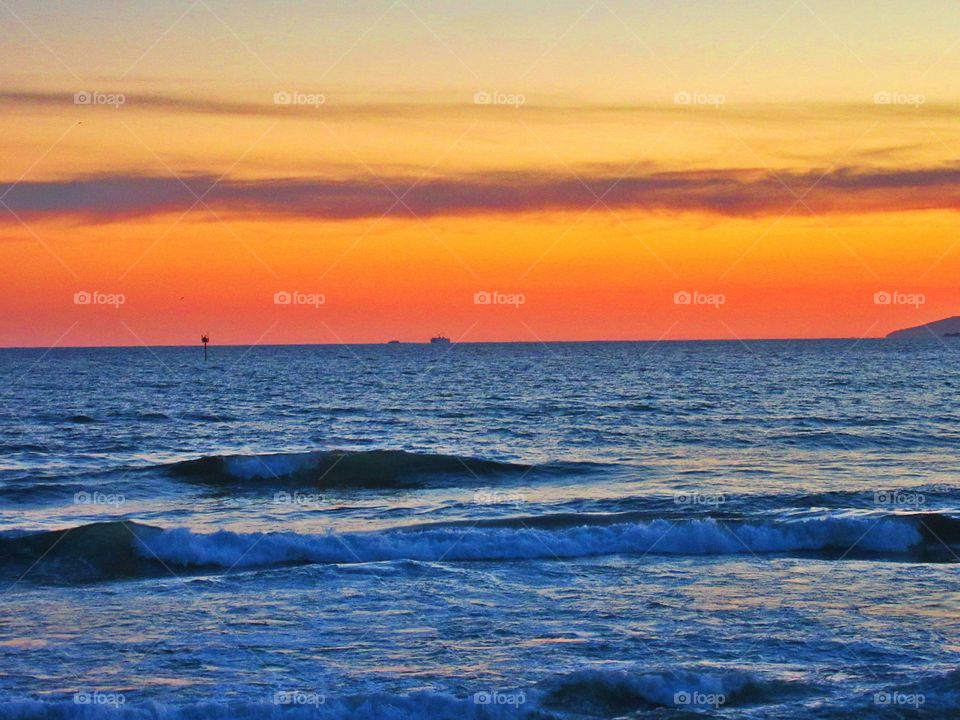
350, 106
724, 193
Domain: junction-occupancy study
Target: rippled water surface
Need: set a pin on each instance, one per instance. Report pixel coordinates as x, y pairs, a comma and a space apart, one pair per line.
599, 530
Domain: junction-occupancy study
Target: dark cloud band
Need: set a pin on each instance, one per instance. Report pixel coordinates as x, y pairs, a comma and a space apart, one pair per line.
736, 193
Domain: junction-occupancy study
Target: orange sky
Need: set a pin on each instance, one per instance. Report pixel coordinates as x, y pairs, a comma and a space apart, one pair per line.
589, 191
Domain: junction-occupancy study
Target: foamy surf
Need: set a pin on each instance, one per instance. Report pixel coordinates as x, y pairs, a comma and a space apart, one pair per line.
706, 536
113, 549
596, 693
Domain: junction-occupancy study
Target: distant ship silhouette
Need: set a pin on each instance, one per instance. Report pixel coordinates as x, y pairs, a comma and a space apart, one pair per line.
439, 340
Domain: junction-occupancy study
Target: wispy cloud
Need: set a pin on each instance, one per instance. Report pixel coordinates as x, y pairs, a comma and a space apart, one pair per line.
349, 106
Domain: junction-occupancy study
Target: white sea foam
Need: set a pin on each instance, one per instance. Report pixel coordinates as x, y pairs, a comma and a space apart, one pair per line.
517, 542
588, 693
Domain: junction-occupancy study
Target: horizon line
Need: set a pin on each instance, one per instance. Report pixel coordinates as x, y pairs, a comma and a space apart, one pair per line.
198, 345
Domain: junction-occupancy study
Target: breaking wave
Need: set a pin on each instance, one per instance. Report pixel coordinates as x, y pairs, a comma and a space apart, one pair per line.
127, 549
339, 468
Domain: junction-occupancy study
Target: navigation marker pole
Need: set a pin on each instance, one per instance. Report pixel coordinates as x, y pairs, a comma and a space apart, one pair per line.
205, 339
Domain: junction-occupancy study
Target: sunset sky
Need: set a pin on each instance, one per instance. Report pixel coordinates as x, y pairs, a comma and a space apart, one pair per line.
791, 168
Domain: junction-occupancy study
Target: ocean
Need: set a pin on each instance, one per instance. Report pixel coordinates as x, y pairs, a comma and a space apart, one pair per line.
565, 530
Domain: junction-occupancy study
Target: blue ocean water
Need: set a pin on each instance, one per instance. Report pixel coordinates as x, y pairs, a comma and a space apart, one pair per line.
595, 530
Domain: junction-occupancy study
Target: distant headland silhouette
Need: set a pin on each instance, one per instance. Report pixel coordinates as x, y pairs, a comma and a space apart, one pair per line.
948, 327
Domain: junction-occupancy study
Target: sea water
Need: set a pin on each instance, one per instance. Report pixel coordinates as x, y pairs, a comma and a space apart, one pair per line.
583, 530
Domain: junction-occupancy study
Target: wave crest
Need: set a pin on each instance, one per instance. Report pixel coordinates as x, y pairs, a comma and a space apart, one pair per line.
340, 468
116, 549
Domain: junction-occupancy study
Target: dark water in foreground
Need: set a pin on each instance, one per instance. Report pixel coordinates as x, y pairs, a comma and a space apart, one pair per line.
521, 531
